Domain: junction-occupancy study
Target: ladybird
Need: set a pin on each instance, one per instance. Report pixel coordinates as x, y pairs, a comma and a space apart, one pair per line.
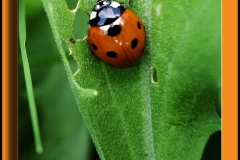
116, 35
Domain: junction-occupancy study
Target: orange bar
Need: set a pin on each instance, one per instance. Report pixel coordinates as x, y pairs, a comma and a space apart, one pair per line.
9, 79
5, 80
229, 80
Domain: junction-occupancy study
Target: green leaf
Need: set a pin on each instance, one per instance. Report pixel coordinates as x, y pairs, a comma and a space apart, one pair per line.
163, 107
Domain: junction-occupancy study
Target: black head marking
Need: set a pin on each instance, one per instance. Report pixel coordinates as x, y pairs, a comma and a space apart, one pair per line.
105, 13
134, 43
94, 46
111, 54
139, 25
114, 30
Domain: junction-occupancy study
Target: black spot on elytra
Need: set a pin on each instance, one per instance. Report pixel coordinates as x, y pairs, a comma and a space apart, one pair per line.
114, 30
139, 25
134, 43
94, 46
111, 54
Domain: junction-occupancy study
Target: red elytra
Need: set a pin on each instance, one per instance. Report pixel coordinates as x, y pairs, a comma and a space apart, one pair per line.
120, 43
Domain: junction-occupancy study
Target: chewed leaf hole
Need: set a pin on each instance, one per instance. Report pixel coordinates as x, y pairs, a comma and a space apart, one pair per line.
212, 149
71, 4
154, 77
80, 25
72, 62
65, 47
218, 104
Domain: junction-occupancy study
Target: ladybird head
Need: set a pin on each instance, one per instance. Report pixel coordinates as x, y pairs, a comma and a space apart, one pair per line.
105, 12
100, 4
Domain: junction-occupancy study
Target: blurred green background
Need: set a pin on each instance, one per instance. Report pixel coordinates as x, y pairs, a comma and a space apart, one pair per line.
63, 132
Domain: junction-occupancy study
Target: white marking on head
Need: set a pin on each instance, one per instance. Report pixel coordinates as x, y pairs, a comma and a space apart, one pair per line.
115, 4
97, 6
104, 2
93, 15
